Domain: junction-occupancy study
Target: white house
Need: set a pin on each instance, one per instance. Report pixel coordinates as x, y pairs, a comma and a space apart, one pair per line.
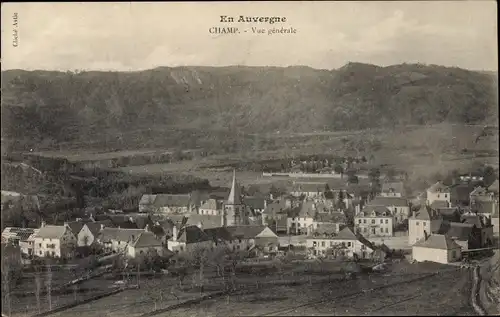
422, 223
144, 243
300, 221
437, 248
346, 242
438, 192
211, 207
398, 206
374, 221
54, 241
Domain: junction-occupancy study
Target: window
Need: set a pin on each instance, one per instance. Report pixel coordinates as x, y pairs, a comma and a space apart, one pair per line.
386, 230
418, 223
364, 220
40, 245
364, 230
373, 230
381, 220
141, 252
445, 195
373, 221
322, 243
349, 244
359, 221
239, 240
382, 230
423, 223
395, 209
40, 252
386, 221
181, 248
331, 243
314, 243
438, 195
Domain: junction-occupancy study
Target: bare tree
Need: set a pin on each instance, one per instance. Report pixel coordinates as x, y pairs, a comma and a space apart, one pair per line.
200, 257
38, 287
48, 284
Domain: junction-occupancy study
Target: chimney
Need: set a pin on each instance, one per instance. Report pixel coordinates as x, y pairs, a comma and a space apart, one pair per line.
174, 233
357, 209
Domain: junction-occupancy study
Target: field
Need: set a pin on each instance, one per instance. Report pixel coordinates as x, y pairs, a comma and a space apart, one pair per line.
306, 288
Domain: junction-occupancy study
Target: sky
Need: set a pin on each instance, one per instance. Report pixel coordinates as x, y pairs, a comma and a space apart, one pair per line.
135, 36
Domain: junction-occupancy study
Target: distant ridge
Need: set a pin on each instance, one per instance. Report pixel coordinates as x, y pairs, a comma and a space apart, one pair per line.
166, 105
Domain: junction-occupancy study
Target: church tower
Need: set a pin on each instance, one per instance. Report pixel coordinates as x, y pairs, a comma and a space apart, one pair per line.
234, 214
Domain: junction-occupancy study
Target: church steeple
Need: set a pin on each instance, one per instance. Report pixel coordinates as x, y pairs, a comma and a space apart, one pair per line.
234, 196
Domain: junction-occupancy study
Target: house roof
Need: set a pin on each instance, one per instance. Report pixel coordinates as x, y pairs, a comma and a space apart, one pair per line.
197, 197
396, 187
51, 232
437, 204
207, 221
476, 220
172, 200
389, 201
119, 234
146, 239
192, 234
457, 230
275, 208
336, 217
76, 226
95, 227
438, 188
220, 233
212, 204
21, 234
494, 187
461, 192
449, 214
255, 202
346, 234
479, 191
379, 211
309, 187
245, 232
234, 197
426, 213
484, 207
438, 241
307, 209
158, 231
327, 229
147, 199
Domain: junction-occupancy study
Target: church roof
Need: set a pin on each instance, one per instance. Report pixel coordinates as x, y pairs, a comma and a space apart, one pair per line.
235, 194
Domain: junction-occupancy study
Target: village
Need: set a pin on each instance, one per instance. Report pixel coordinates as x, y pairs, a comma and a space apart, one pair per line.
317, 219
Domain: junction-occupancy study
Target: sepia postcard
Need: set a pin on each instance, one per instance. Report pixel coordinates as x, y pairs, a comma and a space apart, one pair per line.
267, 158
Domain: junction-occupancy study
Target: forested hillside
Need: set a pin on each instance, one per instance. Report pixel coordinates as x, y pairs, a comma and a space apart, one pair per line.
215, 106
